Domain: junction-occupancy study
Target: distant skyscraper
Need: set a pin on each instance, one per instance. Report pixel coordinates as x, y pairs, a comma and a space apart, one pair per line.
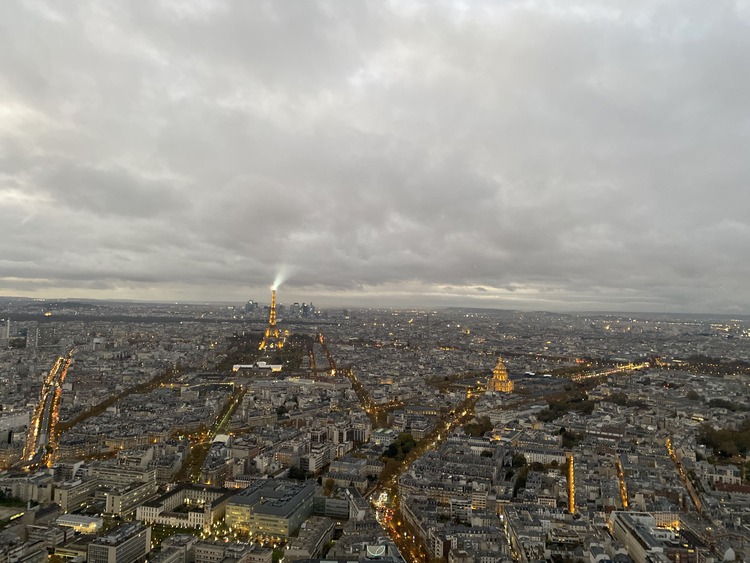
32, 337
499, 381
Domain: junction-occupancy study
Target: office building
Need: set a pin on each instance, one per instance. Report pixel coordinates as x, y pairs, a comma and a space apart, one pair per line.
271, 507
128, 543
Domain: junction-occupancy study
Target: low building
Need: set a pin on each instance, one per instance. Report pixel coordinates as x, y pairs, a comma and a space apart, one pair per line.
122, 501
314, 534
216, 551
186, 506
359, 508
317, 458
72, 495
125, 544
117, 475
271, 507
81, 524
723, 474
645, 541
51, 536
334, 506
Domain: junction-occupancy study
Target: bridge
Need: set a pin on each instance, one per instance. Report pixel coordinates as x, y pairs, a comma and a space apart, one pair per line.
606, 372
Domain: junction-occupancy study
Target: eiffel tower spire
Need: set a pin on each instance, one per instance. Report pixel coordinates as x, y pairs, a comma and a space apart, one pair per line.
271, 338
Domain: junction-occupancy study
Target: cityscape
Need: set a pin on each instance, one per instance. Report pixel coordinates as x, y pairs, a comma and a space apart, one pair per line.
286, 432
374, 281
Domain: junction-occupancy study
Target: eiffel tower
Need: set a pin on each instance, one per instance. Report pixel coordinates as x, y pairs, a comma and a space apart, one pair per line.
271, 339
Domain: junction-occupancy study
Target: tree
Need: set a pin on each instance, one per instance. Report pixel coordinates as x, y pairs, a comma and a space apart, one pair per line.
520, 480
392, 450
297, 473
477, 429
570, 439
618, 398
401, 447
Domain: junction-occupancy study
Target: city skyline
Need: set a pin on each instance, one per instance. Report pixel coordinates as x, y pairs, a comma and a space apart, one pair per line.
507, 156
377, 424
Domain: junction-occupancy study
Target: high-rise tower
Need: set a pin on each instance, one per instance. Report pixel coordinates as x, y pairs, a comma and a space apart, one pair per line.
271, 338
499, 381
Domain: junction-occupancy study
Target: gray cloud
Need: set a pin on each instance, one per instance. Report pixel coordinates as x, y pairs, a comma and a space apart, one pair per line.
578, 155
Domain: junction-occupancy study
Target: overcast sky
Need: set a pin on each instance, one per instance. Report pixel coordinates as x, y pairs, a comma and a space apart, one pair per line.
556, 155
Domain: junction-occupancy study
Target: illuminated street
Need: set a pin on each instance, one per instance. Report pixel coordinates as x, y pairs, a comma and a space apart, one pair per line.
684, 476
385, 498
40, 440
623, 486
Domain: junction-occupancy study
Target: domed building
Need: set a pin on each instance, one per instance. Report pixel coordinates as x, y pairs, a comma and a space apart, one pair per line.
499, 383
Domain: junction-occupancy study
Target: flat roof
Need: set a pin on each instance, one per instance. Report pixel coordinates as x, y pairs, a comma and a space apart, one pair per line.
277, 497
